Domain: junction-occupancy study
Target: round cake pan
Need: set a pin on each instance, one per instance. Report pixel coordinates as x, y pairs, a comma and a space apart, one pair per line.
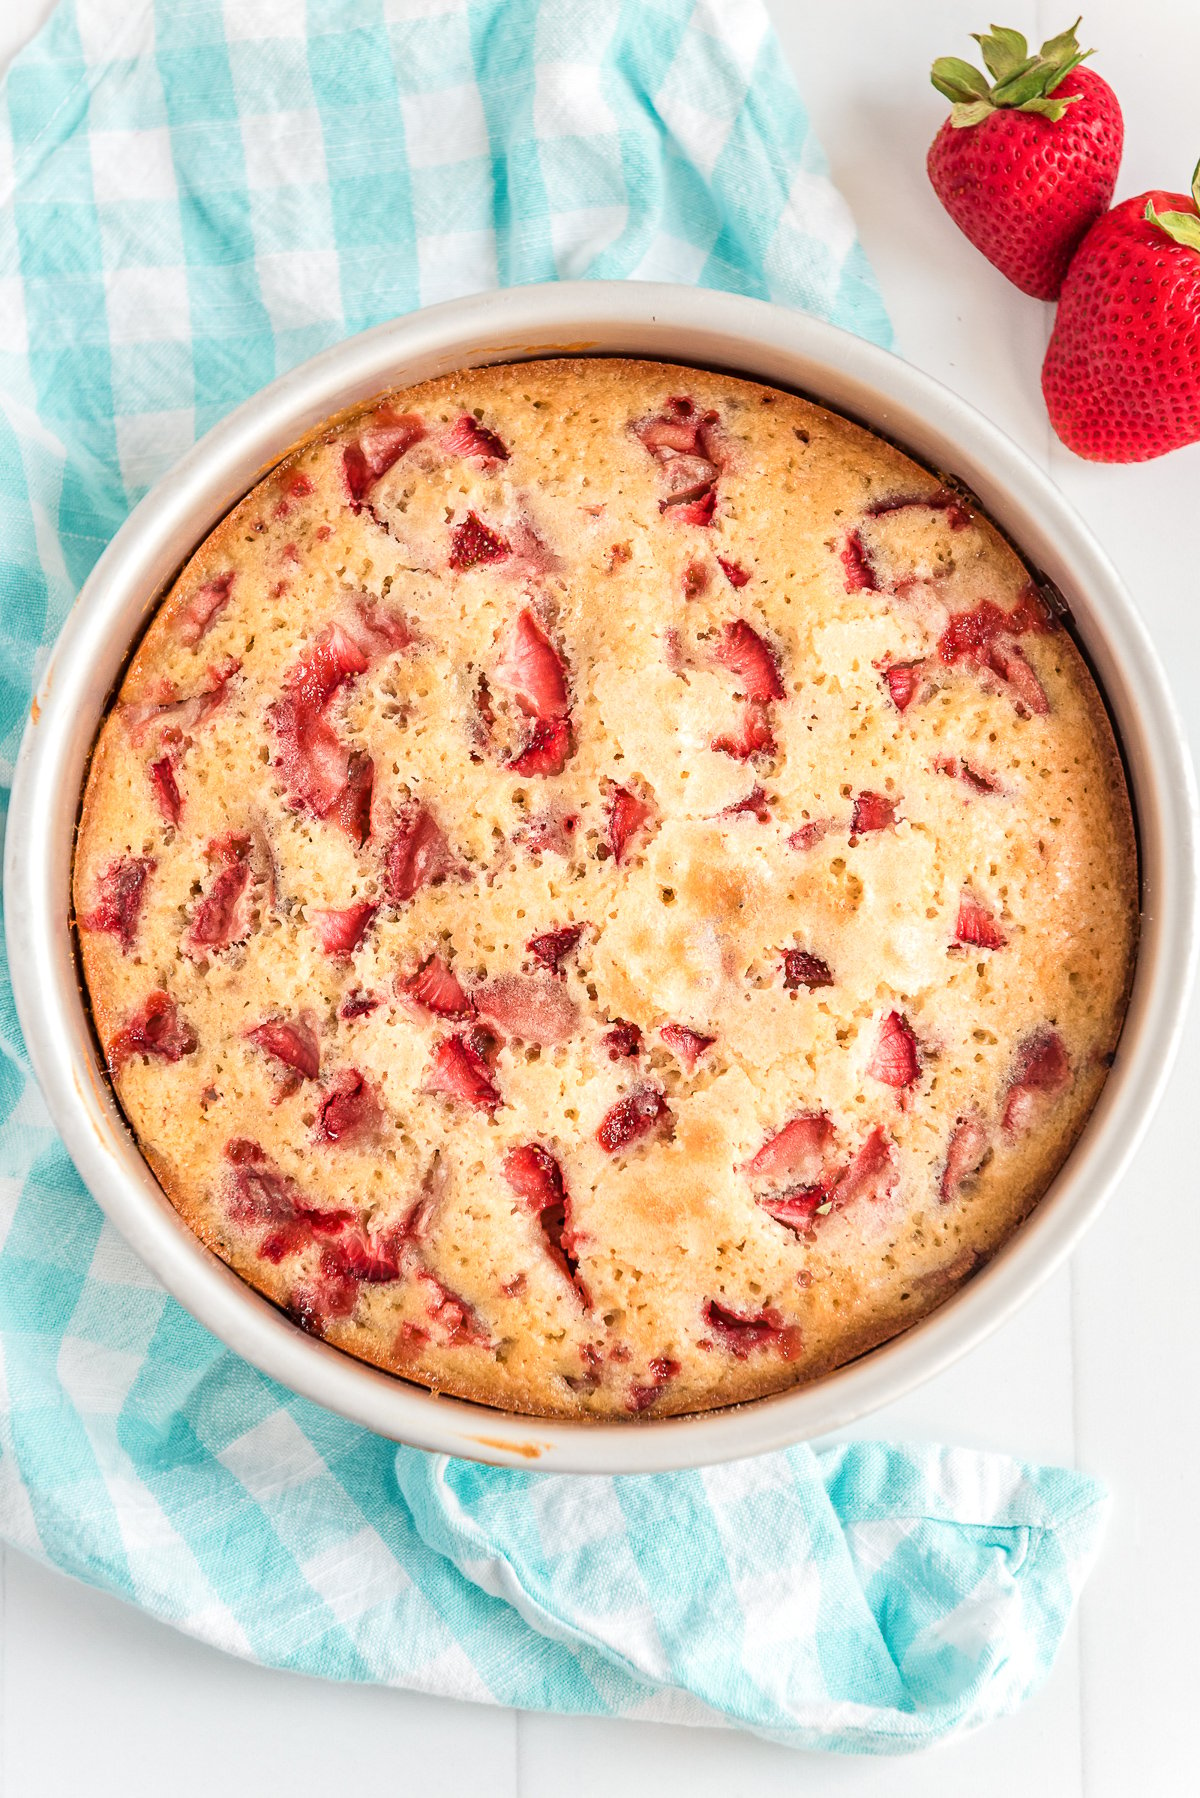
710, 330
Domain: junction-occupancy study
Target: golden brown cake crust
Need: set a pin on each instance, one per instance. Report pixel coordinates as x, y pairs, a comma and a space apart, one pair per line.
603, 890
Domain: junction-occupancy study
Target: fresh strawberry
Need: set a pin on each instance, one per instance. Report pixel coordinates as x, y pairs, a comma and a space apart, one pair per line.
380, 445
895, 1060
756, 804
976, 927
120, 896
468, 438
340, 932
627, 814
291, 1041
1042, 1074
741, 1334
622, 1040
734, 573
744, 653
472, 543
860, 570
797, 1152
662, 1371
202, 609
157, 1029
166, 788
689, 1045
800, 969
966, 1149
545, 750
436, 988
418, 853
1121, 377
536, 1008
752, 739
872, 811
1027, 162
460, 1072
552, 948
642, 1112
532, 669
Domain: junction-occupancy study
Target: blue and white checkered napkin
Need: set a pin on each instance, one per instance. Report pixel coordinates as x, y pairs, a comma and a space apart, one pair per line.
192, 199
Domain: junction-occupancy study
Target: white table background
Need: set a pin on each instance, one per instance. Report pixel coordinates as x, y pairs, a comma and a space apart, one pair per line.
1099, 1370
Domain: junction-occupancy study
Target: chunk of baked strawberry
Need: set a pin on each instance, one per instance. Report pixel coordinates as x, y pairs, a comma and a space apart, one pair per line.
944, 500
473, 543
871, 1174
800, 969
314, 764
895, 1061
532, 669
120, 896
662, 1370
365, 1258
622, 1040
548, 832
694, 506
750, 659
734, 573
535, 1008
358, 1004
675, 431
1041, 1075
460, 1072
350, 1111
418, 854
534, 1175
903, 681
741, 1333
797, 1152
975, 924
1010, 662
553, 946
166, 788
293, 1041
799, 1208
964, 1153
179, 715
261, 1193
695, 580
809, 834
224, 915
860, 570
976, 778
352, 808
473, 441
203, 607
438, 989
627, 815
752, 739
299, 487
341, 932
155, 1029
985, 638
378, 630
453, 1322
643, 1112
872, 811
545, 750
380, 444
688, 1045
755, 804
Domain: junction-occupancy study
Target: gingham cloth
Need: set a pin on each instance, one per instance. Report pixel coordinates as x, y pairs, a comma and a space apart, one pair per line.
192, 199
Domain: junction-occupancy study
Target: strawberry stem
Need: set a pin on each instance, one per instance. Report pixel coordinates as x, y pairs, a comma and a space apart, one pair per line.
1182, 227
1020, 81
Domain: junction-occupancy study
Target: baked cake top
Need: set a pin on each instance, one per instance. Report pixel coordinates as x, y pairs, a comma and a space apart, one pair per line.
605, 889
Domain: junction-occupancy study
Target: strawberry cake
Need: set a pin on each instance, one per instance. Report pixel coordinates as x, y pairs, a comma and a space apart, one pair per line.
606, 889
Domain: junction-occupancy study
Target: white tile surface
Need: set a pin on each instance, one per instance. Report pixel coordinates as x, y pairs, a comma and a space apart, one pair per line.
1099, 1369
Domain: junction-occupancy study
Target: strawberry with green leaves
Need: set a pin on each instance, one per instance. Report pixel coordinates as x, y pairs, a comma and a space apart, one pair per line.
1027, 161
1122, 370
